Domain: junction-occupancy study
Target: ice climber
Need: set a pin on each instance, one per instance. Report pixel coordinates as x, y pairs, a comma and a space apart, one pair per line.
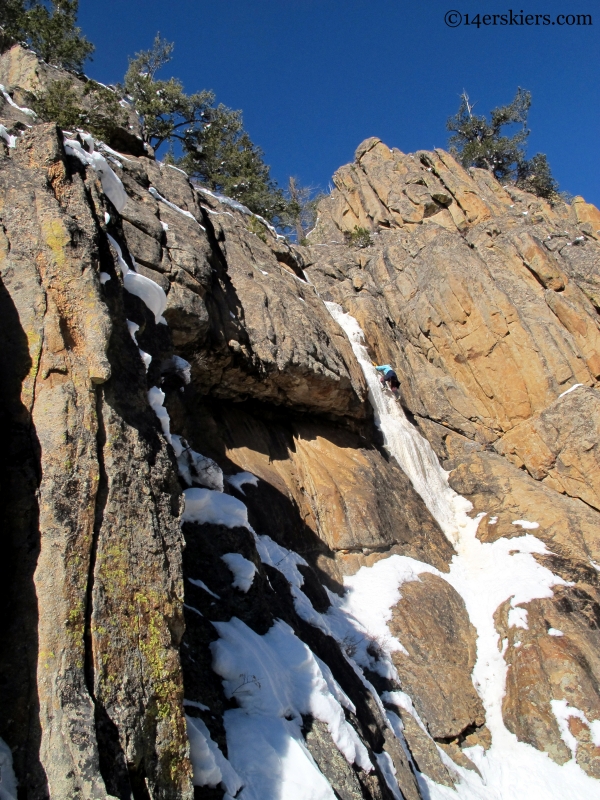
388, 376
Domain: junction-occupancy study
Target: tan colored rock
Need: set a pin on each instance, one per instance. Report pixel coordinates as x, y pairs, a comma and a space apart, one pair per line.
556, 658
362, 201
462, 187
569, 527
289, 349
540, 262
21, 70
424, 750
352, 501
24, 75
561, 445
187, 316
145, 249
480, 342
584, 328
431, 622
586, 213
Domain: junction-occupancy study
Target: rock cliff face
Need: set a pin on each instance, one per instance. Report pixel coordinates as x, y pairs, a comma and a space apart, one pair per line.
270, 553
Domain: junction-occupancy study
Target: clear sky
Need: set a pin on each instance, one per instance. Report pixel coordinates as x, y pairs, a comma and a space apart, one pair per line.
316, 77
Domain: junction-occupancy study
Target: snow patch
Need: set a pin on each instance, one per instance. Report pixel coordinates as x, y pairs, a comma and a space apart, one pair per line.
28, 111
386, 765
196, 468
524, 523
11, 141
206, 505
572, 389
195, 704
360, 618
286, 561
170, 166
238, 480
554, 632
402, 700
242, 569
209, 765
229, 201
202, 585
106, 149
563, 712
147, 290
104, 277
133, 328
271, 757
8, 780
164, 200
156, 398
277, 677
111, 183
517, 618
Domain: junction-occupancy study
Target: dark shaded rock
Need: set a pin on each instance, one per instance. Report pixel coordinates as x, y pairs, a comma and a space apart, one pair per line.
331, 762
187, 316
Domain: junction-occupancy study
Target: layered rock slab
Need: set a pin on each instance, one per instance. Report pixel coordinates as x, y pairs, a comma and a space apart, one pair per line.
233, 297
91, 716
551, 696
561, 445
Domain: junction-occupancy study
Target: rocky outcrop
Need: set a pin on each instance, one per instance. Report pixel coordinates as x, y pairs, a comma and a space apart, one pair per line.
553, 670
93, 692
488, 327
93, 584
489, 309
483, 297
560, 445
354, 504
441, 648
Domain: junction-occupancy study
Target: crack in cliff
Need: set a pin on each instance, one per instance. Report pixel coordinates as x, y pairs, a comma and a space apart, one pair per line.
112, 763
101, 497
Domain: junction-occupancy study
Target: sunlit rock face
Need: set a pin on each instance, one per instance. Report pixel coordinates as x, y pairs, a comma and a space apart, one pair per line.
216, 512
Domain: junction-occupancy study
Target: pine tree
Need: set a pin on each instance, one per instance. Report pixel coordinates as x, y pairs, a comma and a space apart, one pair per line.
535, 176
475, 142
478, 143
211, 140
49, 28
95, 108
223, 157
166, 112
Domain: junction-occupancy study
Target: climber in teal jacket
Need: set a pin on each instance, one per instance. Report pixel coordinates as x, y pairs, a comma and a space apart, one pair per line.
388, 376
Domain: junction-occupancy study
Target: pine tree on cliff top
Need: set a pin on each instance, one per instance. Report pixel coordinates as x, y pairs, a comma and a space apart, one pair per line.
223, 157
477, 142
212, 141
49, 28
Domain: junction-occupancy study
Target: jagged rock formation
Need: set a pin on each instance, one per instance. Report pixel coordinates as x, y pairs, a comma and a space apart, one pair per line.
486, 300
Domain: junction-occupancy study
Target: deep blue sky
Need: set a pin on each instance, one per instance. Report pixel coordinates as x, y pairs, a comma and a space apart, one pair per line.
316, 77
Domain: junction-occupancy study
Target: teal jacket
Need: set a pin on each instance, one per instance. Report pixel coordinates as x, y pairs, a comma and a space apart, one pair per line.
385, 368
